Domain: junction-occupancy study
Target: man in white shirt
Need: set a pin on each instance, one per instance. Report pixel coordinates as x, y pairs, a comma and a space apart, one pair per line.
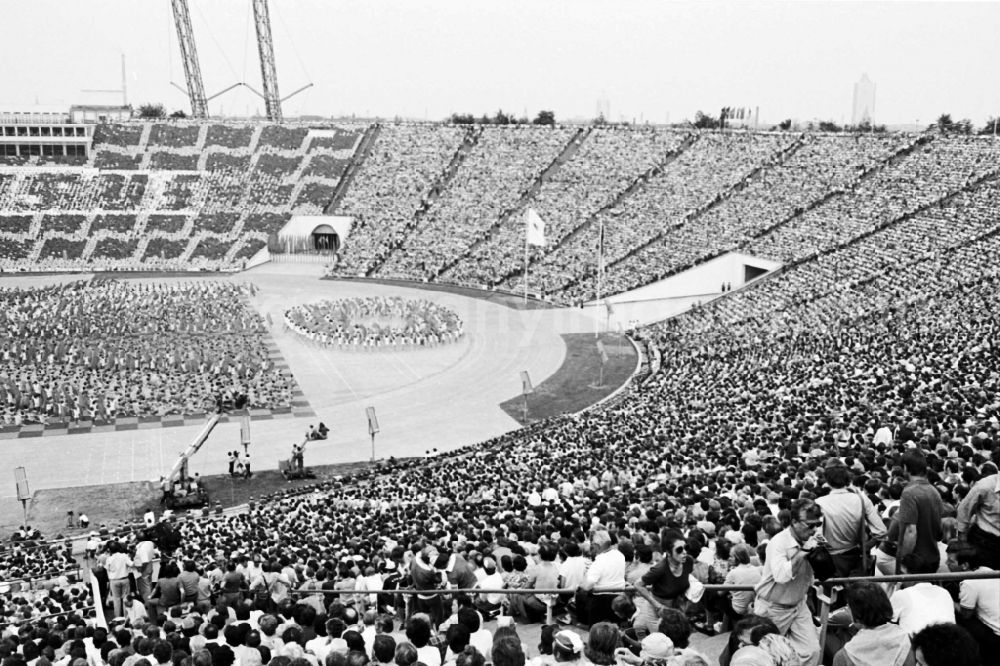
145, 553
917, 606
604, 577
979, 605
786, 578
573, 570
489, 603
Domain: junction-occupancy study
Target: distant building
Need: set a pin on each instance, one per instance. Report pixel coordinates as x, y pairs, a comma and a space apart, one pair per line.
96, 113
53, 136
42, 135
864, 101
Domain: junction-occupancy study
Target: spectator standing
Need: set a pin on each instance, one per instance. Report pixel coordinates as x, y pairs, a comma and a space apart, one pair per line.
919, 514
664, 585
979, 517
118, 566
786, 578
145, 553
847, 518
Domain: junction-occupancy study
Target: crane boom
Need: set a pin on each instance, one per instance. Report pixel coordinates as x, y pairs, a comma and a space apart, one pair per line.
268, 73
189, 54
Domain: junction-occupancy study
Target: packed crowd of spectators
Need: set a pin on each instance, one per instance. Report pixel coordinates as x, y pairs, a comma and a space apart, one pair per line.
100, 350
499, 169
375, 322
699, 175
822, 166
778, 412
393, 183
608, 161
932, 171
239, 172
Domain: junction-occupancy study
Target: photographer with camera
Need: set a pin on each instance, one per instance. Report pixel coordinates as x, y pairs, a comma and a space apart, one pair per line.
787, 576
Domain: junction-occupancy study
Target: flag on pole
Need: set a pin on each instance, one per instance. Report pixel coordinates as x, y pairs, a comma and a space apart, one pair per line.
536, 228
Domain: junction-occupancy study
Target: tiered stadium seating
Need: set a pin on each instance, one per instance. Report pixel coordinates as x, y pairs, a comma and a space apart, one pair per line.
221, 184
277, 136
227, 136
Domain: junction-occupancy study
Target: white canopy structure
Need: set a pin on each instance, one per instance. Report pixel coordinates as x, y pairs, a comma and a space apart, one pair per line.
307, 233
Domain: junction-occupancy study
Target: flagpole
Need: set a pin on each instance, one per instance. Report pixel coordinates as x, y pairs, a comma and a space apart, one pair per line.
600, 276
525, 256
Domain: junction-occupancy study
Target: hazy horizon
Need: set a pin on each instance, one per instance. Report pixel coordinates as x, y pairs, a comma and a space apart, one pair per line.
652, 61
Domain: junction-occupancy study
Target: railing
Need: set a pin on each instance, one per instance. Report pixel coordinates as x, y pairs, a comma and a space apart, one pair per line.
826, 591
26, 620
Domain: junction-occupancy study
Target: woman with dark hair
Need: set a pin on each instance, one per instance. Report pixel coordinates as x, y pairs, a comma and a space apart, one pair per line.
457, 638
470, 656
747, 632
601, 644
878, 641
419, 632
167, 592
406, 655
664, 585
507, 651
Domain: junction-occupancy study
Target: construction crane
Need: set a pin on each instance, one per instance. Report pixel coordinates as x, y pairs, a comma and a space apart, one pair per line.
189, 54
268, 71
265, 47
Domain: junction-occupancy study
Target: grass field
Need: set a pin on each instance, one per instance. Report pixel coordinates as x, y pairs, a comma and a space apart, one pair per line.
115, 503
575, 385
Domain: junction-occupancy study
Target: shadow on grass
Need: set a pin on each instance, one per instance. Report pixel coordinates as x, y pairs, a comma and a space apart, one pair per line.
119, 503
574, 385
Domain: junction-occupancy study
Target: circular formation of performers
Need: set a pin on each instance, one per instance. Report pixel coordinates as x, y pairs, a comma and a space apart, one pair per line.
375, 322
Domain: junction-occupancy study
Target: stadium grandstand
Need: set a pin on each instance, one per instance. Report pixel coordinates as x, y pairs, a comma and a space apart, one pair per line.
870, 341
287, 390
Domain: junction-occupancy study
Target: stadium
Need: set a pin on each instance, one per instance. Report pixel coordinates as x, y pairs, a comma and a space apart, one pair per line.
603, 378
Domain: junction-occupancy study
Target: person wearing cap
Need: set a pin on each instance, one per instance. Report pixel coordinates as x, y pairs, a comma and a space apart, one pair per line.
567, 646
849, 518
489, 603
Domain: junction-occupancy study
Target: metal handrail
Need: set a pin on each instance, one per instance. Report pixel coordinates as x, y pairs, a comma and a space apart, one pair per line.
46, 617
901, 578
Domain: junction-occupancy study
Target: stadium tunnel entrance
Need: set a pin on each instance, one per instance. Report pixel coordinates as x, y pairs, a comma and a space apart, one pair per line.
311, 234
325, 239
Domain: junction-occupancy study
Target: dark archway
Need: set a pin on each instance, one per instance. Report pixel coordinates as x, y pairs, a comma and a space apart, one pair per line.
325, 239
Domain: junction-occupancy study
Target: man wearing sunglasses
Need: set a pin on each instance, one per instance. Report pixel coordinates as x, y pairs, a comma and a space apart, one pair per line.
787, 577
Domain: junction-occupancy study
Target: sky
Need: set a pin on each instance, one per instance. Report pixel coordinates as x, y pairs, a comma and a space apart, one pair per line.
653, 60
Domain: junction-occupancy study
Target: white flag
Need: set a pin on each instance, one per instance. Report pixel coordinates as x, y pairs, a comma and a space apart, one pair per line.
536, 228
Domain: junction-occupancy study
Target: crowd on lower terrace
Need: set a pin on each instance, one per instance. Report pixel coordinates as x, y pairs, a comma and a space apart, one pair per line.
880, 382
104, 349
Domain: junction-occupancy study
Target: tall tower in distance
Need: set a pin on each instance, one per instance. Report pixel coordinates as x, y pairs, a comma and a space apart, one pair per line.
864, 101
604, 107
